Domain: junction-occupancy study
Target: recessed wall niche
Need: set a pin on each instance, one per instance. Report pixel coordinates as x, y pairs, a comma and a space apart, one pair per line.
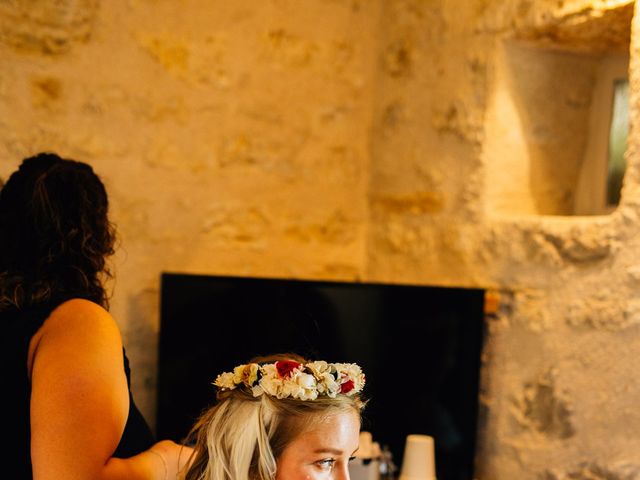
548, 125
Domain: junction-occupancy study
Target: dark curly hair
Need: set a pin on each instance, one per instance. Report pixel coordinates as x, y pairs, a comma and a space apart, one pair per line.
55, 235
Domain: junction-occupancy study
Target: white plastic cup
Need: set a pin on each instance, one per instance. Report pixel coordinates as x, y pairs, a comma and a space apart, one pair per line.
359, 470
365, 447
418, 462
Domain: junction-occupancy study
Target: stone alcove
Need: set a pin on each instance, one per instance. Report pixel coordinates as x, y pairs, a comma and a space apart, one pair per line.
548, 117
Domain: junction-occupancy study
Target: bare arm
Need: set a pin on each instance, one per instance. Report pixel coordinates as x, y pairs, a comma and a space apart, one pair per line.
79, 401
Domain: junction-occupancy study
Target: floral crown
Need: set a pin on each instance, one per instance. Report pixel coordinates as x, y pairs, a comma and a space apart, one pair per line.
291, 379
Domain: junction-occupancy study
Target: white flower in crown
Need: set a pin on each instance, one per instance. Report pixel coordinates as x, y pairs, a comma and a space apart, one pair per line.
257, 390
325, 375
289, 388
328, 385
307, 386
270, 382
225, 381
318, 367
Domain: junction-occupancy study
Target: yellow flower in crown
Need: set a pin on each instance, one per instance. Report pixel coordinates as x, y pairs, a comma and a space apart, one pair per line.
246, 374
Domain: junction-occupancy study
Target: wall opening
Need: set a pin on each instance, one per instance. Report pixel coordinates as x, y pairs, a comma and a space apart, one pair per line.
603, 164
557, 119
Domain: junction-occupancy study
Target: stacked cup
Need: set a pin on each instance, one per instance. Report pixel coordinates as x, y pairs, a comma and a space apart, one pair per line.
366, 465
418, 462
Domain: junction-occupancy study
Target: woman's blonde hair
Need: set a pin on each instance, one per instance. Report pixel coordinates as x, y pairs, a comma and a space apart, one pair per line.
242, 436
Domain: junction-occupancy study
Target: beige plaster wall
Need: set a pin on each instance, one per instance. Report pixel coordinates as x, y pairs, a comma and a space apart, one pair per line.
233, 137
361, 140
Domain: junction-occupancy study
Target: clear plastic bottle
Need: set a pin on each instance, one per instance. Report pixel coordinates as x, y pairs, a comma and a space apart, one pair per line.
388, 469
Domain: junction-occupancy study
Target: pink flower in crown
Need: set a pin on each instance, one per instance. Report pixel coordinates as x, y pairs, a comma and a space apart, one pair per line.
347, 386
351, 378
286, 368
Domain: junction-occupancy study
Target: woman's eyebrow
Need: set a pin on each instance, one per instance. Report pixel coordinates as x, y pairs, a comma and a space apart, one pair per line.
328, 450
331, 450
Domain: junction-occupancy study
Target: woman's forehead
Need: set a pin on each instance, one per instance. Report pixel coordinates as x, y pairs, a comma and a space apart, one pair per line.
339, 427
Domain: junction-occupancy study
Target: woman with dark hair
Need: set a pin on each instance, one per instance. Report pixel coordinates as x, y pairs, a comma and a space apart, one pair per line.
67, 393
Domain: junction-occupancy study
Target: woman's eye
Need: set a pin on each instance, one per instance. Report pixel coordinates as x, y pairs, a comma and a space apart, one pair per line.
326, 464
351, 459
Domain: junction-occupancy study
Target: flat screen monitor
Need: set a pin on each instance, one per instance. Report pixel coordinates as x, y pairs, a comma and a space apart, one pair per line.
419, 347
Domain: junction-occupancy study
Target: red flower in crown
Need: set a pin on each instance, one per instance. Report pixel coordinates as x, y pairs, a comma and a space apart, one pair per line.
347, 386
286, 367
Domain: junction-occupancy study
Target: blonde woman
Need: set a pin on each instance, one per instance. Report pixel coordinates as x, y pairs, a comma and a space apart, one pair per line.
280, 418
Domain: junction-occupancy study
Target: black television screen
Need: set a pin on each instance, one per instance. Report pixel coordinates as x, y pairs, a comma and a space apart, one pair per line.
418, 346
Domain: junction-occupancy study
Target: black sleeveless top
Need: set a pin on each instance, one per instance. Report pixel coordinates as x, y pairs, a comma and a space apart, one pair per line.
17, 327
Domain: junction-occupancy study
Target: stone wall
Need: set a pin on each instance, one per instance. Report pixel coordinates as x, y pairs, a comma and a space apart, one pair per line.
406, 141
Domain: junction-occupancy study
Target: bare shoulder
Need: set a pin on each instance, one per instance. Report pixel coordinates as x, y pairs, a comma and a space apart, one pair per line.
80, 306
80, 326
81, 318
